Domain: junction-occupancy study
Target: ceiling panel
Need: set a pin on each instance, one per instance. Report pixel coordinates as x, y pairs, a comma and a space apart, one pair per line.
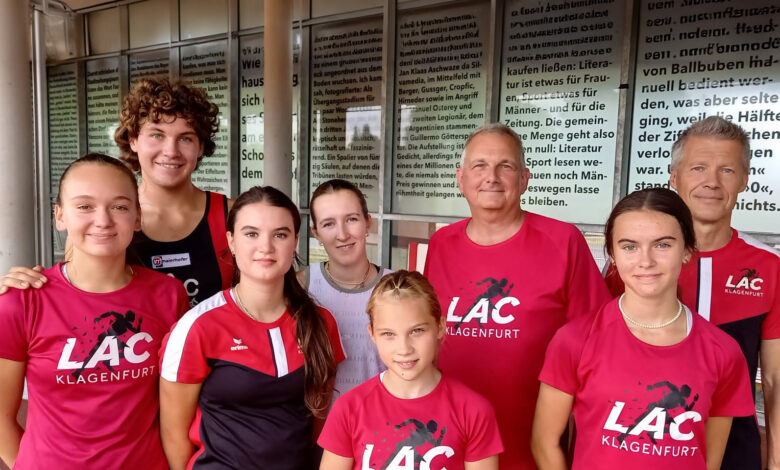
79, 4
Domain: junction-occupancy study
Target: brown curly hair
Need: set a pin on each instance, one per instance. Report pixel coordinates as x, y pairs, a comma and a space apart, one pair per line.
152, 99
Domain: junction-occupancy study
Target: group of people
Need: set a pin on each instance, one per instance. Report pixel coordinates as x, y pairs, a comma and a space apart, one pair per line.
478, 364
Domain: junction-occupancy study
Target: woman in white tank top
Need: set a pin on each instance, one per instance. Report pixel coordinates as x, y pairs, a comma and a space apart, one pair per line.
343, 284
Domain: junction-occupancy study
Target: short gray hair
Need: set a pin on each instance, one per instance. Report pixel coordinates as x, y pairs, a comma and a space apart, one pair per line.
715, 127
501, 129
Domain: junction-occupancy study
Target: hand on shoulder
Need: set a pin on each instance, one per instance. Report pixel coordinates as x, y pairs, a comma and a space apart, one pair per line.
21, 277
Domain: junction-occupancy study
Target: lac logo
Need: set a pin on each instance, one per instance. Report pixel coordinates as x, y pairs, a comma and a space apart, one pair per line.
157, 261
745, 282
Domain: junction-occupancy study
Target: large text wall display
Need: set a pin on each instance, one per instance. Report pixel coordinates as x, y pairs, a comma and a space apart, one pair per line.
560, 79
440, 99
697, 59
251, 113
346, 112
102, 105
62, 85
154, 64
205, 66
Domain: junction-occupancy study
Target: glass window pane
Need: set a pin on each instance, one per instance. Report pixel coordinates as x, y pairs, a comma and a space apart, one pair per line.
154, 63
205, 65
64, 36
441, 86
346, 106
102, 105
62, 86
596, 245
200, 18
329, 7
251, 13
409, 243
560, 87
150, 23
104, 31
63, 120
696, 64
251, 112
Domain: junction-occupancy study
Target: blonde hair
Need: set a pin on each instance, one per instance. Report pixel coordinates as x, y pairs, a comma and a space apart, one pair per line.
404, 284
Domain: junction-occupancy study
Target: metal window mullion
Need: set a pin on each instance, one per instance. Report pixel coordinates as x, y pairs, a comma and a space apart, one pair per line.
304, 128
174, 65
124, 44
81, 103
388, 130
45, 252
493, 66
626, 101
234, 88
304, 110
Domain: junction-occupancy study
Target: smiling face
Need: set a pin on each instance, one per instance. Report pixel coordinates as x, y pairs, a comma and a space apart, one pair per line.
99, 209
491, 178
341, 227
407, 337
709, 178
263, 241
167, 151
648, 250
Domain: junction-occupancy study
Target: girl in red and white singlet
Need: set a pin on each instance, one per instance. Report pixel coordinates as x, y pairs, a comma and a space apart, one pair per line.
246, 372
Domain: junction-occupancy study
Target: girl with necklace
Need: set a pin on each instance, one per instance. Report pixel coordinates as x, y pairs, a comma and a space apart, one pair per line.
343, 284
651, 384
246, 372
88, 341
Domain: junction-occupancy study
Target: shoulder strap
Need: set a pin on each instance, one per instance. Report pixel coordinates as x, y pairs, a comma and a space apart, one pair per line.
217, 216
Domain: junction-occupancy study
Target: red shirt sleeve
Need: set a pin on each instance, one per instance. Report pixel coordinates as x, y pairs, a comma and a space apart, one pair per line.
183, 355
484, 438
13, 332
563, 357
770, 329
336, 435
733, 396
586, 289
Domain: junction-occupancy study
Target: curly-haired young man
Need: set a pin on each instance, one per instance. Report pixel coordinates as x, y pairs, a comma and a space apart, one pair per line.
165, 129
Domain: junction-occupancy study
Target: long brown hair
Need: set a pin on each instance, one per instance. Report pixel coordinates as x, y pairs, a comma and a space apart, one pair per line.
311, 330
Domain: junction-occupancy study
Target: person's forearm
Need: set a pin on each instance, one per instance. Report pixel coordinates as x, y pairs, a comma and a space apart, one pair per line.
772, 421
10, 437
178, 450
549, 457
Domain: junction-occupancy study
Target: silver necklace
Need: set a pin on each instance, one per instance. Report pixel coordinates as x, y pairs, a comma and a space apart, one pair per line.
67, 278
645, 325
241, 304
356, 284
